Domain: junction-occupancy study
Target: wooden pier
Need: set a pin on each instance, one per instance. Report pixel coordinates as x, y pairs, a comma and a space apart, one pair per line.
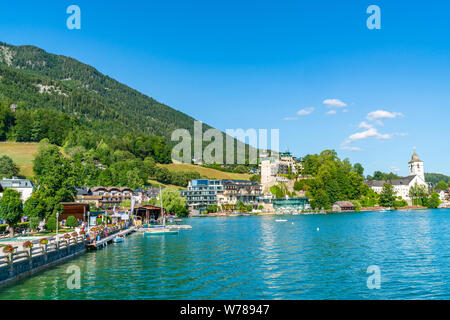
95, 245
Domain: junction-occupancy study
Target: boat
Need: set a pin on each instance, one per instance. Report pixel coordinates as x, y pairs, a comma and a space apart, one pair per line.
160, 229
281, 220
119, 238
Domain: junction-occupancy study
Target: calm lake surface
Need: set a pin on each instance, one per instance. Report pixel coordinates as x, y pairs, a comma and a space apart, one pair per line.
258, 258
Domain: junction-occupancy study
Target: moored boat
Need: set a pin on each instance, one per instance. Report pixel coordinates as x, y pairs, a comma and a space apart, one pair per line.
119, 238
160, 231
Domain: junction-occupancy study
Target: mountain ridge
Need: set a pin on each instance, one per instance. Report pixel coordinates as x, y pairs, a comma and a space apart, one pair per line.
68, 82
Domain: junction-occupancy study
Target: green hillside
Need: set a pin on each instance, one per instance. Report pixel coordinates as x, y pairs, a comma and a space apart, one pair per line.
22, 154
33, 78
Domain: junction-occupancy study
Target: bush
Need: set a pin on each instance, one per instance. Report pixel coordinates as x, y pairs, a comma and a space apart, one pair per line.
400, 203
368, 202
357, 205
34, 223
50, 225
71, 222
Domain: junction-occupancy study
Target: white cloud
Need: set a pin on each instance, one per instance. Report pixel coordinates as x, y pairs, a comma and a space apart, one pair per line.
289, 118
334, 103
365, 125
305, 112
382, 114
369, 133
331, 112
351, 148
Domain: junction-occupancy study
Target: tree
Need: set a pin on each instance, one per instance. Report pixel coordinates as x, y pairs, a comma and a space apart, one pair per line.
378, 175
433, 202
320, 201
55, 176
387, 196
173, 202
358, 168
7, 167
442, 185
71, 222
34, 223
11, 208
240, 206
419, 194
277, 191
36, 206
213, 208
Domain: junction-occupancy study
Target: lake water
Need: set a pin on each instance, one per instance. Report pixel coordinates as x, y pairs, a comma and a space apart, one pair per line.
258, 258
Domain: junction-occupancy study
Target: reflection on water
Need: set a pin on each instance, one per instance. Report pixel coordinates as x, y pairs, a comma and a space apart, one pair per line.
259, 258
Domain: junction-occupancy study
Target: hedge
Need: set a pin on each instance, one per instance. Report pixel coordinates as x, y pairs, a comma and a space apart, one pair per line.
21, 224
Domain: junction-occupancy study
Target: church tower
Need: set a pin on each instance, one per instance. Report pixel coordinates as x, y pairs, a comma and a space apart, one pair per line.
416, 166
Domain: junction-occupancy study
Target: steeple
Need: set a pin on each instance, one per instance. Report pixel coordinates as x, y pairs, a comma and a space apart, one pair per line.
415, 157
416, 166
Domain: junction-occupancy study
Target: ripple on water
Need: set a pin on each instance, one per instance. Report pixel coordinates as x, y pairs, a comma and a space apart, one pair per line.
258, 258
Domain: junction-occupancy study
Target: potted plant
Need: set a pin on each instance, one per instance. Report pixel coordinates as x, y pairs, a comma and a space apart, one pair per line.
9, 251
28, 245
44, 242
75, 236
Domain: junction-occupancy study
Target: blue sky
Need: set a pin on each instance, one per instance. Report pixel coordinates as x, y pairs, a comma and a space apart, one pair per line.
256, 64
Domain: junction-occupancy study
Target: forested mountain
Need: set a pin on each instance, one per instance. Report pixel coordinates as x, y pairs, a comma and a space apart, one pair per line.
33, 78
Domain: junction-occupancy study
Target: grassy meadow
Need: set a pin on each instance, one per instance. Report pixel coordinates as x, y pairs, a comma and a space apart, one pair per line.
22, 154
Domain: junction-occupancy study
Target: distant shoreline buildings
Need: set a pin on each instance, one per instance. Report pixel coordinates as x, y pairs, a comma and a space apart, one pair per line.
275, 170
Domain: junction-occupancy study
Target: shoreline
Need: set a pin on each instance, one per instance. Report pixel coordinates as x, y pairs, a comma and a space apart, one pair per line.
368, 209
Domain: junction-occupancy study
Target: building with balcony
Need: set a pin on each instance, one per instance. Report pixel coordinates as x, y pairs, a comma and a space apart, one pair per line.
202, 193
104, 197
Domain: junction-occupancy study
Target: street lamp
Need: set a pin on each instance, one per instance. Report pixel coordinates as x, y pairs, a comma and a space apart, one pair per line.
57, 239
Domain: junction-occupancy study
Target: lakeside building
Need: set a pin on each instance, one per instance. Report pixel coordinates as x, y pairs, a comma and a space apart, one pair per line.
343, 206
143, 195
202, 193
24, 186
444, 196
239, 190
403, 185
78, 210
275, 169
104, 197
290, 205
